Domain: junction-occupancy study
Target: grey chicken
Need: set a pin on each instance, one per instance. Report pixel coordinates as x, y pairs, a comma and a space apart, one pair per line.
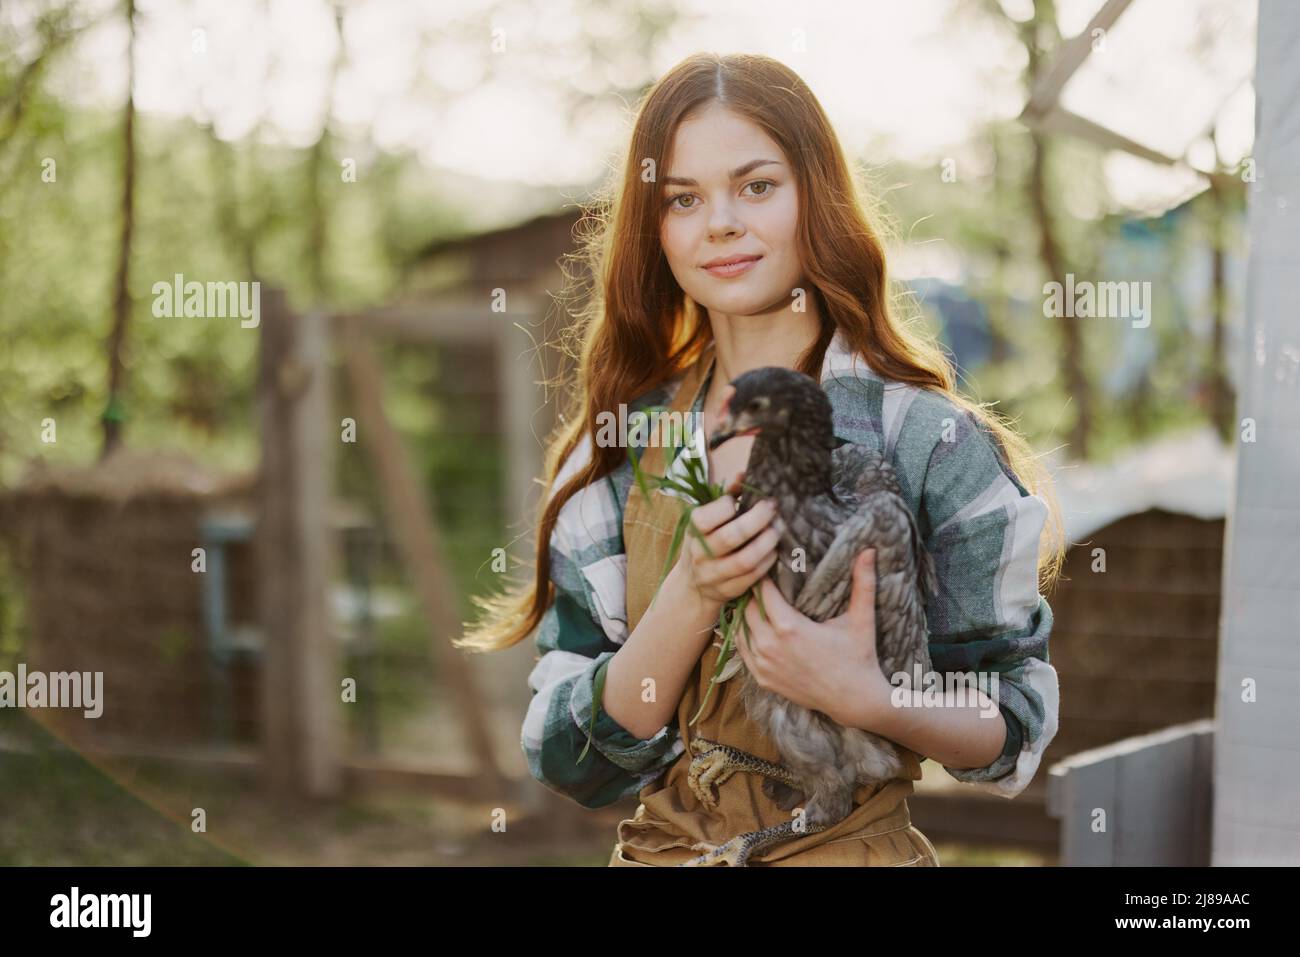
833, 503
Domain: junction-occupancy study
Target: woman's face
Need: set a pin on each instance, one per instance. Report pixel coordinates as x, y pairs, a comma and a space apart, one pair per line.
729, 191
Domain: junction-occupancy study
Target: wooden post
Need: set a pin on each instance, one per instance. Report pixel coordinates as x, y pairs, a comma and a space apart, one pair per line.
518, 367
411, 520
301, 734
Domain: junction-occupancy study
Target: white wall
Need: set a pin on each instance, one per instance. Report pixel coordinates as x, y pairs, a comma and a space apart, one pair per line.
1257, 748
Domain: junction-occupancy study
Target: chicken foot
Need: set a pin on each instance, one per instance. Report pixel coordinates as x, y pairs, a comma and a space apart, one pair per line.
737, 851
714, 763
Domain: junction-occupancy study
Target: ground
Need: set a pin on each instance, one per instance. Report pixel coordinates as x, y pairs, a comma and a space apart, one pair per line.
62, 809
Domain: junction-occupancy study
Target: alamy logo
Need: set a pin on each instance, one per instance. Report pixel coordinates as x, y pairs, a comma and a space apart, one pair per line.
1103, 300
58, 689
102, 910
652, 427
933, 688
214, 300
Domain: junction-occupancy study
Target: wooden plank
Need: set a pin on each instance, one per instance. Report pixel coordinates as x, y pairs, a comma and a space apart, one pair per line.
1155, 792
457, 320
1086, 799
295, 556
520, 367
412, 523
1149, 780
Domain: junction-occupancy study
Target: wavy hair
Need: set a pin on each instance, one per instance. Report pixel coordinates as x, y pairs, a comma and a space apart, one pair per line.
635, 328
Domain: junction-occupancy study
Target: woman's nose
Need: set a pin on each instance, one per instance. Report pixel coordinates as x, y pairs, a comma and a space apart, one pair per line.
723, 220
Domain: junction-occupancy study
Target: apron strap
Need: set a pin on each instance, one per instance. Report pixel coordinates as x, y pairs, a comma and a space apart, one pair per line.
646, 542
652, 459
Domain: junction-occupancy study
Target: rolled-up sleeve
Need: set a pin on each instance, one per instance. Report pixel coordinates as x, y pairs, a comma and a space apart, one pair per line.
982, 528
555, 730
578, 635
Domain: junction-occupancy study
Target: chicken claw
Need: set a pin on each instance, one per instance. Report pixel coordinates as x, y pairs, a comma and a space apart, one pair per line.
714, 763
737, 851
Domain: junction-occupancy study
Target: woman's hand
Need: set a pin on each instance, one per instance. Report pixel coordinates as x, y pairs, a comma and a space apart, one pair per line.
743, 546
828, 666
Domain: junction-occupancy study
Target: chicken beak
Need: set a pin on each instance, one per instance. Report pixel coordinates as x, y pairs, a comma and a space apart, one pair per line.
729, 427
726, 429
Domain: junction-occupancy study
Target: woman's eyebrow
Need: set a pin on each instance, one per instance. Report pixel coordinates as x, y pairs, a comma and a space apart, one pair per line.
736, 173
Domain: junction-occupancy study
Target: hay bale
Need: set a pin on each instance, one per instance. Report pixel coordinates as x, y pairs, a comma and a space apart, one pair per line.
104, 556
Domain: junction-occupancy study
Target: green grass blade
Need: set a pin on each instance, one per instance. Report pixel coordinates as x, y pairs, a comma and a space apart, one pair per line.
732, 616
639, 475
675, 546
699, 537
721, 663
674, 549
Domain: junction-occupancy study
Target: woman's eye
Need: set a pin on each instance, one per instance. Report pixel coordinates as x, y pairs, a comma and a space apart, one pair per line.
672, 203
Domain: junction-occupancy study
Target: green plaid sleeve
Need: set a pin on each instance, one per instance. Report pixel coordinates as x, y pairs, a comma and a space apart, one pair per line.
982, 528
618, 764
578, 635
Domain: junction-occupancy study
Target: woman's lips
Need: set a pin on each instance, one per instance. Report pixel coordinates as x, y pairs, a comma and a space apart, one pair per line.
732, 269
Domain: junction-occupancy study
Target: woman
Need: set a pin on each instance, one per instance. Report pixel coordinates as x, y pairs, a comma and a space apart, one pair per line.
736, 239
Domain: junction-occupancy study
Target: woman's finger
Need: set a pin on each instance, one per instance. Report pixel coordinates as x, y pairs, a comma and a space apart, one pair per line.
741, 583
711, 515
780, 613
729, 537
759, 631
743, 561
861, 612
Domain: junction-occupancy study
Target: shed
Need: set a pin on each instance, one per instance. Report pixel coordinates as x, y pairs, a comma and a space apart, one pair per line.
1136, 633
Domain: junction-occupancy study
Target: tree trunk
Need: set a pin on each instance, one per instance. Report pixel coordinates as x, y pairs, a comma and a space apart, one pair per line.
112, 418
1049, 251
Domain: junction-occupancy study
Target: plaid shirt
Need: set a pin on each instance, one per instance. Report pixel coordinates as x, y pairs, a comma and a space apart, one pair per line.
979, 523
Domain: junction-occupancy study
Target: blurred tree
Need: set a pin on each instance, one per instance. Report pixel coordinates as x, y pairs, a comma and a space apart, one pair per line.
319, 163
1041, 37
114, 413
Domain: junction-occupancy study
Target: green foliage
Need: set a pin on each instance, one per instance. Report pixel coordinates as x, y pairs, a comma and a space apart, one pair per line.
981, 219
190, 381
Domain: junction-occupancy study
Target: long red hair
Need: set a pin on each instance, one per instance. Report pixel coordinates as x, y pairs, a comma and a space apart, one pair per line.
635, 328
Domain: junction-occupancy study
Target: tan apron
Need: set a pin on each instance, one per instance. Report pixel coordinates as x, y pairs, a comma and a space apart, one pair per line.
670, 819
